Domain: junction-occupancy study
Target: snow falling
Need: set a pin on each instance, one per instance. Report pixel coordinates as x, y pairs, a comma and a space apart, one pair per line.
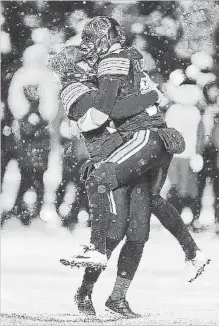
44, 206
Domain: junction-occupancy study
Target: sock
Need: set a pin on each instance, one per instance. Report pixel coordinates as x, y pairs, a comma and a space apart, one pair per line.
91, 275
120, 288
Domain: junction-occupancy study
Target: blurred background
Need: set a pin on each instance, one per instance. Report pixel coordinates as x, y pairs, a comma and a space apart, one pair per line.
40, 158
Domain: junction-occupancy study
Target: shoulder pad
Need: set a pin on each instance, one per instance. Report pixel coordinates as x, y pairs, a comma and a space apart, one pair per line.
133, 54
114, 64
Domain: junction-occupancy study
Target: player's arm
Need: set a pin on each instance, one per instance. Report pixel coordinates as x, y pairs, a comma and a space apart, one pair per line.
133, 104
111, 73
88, 116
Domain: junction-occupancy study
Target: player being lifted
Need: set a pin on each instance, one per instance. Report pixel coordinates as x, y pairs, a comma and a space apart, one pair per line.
119, 74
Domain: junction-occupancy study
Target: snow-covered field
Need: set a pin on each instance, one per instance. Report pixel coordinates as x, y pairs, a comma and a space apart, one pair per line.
37, 290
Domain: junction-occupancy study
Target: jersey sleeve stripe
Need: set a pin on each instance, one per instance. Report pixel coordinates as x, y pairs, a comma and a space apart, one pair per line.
114, 61
72, 93
114, 66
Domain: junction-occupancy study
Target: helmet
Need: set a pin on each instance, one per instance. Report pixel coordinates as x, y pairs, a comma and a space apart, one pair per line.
99, 34
65, 60
66, 64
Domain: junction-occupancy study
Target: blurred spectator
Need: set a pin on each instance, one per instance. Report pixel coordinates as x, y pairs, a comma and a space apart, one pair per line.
185, 117
71, 193
33, 101
8, 145
209, 147
166, 34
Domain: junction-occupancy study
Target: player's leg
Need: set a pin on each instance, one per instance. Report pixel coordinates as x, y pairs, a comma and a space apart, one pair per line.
115, 233
167, 213
83, 297
172, 221
136, 236
144, 151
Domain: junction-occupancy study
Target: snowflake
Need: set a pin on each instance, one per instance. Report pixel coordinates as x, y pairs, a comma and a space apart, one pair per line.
2, 19
31, 21
41, 4
77, 19
5, 42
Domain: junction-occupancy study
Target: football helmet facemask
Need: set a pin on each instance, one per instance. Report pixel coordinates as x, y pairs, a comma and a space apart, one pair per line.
98, 35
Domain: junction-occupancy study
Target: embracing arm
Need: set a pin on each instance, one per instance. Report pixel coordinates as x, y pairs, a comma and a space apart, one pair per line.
103, 104
90, 118
133, 104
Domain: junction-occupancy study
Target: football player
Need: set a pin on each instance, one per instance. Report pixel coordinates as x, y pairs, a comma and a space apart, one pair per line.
96, 136
77, 99
146, 148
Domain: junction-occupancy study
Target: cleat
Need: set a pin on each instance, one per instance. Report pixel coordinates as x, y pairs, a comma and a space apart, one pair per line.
64, 262
88, 257
84, 303
195, 267
121, 307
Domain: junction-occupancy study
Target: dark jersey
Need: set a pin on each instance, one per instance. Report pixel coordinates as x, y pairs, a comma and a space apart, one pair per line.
120, 74
122, 69
78, 97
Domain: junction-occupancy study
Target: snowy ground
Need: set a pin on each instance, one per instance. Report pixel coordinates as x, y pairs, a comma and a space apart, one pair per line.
37, 290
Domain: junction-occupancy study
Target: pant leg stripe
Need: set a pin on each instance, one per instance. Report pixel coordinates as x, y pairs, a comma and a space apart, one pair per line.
112, 203
137, 140
124, 150
118, 151
135, 150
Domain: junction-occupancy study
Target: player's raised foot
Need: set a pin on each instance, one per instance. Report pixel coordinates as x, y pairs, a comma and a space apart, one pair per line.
84, 303
196, 266
121, 307
87, 257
